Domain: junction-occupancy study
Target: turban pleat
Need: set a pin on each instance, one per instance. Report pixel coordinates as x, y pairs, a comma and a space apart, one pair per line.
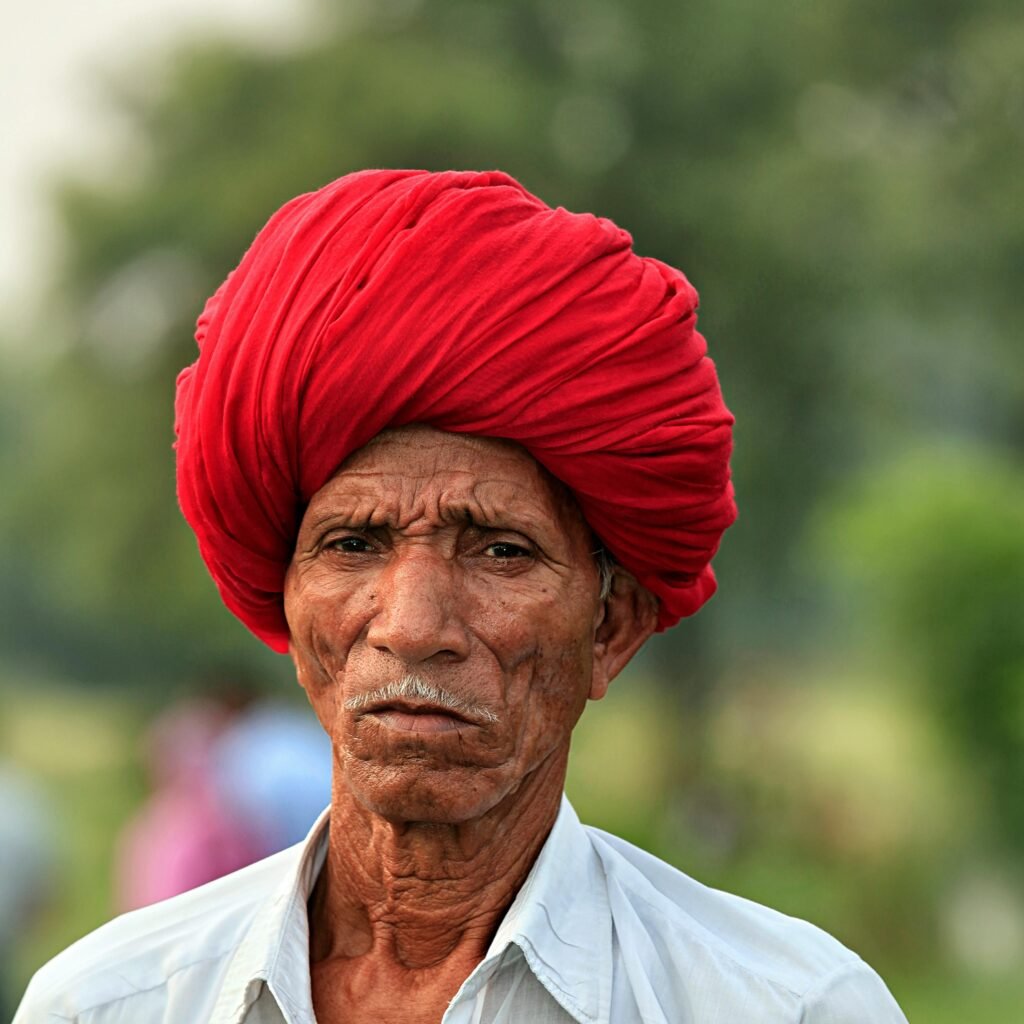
462, 301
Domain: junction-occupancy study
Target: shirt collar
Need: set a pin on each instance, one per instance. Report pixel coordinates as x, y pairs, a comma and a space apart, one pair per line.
275, 949
560, 919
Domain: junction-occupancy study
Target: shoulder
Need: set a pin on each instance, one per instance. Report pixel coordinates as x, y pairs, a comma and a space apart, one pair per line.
188, 939
734, 943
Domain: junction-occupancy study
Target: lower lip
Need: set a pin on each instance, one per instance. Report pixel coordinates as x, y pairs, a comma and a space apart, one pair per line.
405, 721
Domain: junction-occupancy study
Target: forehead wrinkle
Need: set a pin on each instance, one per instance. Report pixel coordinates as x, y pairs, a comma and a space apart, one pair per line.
400, 500
505, 489
516, 503
454, 506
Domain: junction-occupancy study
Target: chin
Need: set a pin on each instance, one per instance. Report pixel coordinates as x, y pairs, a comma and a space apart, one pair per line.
417, 793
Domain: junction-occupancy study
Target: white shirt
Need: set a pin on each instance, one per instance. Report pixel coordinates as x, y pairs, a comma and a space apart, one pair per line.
600, 933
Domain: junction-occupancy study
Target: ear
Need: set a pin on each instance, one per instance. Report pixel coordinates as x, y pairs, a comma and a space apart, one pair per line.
630, 615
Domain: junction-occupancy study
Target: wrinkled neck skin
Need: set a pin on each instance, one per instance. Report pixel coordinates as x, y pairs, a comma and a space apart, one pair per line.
414, 896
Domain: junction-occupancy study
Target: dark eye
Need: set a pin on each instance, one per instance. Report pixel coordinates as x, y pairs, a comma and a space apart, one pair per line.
349, 545
506, 549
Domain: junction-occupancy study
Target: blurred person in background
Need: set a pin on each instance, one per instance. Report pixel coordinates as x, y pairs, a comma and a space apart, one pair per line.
234, 780
459, 455
27, 865
272, 767
184, 834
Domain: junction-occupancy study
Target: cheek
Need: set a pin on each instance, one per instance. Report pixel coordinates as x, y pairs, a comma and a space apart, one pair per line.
562, 680
322, 621
520, 621
542, 638
552, 693
319, 649
321, 691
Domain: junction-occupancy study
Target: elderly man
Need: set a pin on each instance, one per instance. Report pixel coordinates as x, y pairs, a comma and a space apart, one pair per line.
459, 454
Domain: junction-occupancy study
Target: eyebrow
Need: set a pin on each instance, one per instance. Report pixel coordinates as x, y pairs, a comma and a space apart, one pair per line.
474, 516
467, 515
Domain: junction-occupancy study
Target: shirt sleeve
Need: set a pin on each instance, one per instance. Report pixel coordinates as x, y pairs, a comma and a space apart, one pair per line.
852, 995
35, 1009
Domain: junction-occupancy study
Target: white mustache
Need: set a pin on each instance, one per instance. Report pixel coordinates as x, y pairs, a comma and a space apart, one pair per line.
412, 687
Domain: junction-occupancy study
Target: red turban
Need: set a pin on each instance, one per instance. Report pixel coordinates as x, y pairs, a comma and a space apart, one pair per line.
461, 301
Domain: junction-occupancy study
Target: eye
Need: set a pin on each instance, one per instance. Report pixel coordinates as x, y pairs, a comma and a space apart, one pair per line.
506, 549
350, 544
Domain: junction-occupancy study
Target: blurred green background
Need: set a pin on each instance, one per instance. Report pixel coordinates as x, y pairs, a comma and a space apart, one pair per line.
840, 733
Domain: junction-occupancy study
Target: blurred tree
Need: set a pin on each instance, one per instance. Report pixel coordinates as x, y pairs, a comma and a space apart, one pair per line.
838, 184
936, 544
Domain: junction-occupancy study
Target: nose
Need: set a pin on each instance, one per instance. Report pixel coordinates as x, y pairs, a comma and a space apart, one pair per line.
417, 618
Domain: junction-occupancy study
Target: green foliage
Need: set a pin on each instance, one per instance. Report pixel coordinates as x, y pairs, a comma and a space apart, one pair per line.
812, 170
935, 541
80, 746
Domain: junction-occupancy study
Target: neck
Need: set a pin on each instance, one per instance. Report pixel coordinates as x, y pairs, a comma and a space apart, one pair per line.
418, 893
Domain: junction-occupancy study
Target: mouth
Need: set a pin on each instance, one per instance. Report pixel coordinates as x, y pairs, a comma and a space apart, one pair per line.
414, 716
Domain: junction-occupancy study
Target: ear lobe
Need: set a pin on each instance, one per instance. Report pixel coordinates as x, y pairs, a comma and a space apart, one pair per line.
630, 617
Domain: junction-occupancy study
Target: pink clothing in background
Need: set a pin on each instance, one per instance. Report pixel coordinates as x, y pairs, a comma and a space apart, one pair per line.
182, 838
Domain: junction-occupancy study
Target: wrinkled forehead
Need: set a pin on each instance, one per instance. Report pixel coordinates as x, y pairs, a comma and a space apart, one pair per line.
422, 450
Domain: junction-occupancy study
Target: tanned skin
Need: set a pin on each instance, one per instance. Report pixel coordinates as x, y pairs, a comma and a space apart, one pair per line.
460, 561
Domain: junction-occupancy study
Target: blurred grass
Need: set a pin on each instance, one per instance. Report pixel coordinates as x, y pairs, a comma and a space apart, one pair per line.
822, 793
949, 998
82, 746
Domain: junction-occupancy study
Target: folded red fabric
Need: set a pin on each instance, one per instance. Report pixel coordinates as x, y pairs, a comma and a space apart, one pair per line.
462, 301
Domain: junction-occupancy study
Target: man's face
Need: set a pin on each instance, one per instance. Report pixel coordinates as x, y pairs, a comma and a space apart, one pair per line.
459, 561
